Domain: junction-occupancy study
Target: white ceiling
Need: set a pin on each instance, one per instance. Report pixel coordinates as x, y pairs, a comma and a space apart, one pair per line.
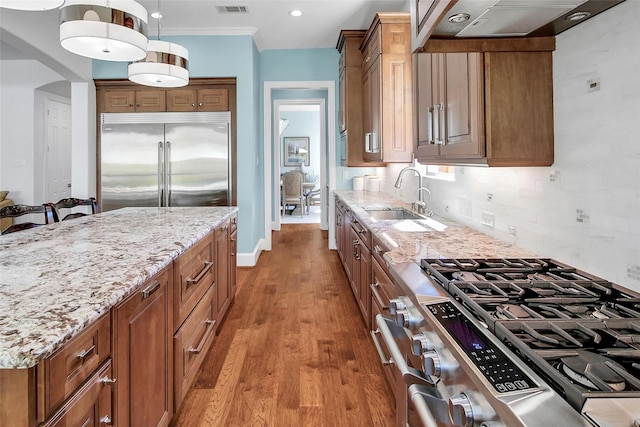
269, 21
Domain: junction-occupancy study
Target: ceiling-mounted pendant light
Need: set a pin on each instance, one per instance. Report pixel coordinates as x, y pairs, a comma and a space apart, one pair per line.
31, 4
110, 30
166, 64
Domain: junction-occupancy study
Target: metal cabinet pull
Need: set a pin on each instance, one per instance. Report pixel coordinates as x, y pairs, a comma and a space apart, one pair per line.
106, 420
150, 289
440, 109
430, 125
107, 380
205, 337
376, 294
205, 269
84, 353
377, 249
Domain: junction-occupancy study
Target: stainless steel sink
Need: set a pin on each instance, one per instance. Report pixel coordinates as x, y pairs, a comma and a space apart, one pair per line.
393, 214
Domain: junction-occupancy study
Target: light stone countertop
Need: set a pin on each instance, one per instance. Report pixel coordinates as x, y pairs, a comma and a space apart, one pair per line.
413, 240
56, 279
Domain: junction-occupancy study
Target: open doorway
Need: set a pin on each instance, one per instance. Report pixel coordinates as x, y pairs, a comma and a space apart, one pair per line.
298, 145
328, 161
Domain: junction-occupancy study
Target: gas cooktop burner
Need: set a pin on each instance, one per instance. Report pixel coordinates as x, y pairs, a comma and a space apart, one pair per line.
580, 357
593, 371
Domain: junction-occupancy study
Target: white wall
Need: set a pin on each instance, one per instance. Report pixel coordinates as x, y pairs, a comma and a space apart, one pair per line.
597, 161
18, 80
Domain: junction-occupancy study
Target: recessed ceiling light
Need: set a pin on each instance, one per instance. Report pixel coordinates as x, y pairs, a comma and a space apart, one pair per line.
459, 17
295, 12
156, 15
577, 16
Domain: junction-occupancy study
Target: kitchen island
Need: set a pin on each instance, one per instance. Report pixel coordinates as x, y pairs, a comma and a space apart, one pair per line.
58, 280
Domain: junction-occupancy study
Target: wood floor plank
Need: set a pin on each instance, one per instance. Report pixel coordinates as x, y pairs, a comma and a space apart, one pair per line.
293, 349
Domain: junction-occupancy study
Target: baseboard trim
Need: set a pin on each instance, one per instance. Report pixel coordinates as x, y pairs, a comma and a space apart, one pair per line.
250, 259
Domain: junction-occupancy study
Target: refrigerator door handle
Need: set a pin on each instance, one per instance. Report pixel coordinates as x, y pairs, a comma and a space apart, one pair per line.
160, 173
167, 172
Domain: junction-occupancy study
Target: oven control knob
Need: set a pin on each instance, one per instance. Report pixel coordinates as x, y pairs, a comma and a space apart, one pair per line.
405, 319
423, 342
395, 305
466, 411
432, 363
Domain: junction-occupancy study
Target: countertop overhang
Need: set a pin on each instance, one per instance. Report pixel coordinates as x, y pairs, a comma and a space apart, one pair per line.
56, 279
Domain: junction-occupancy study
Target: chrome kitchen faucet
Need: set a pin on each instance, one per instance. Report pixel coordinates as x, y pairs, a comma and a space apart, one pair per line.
420, 206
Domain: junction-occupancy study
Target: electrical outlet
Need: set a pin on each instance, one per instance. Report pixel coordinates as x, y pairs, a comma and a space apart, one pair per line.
582, 216
512, 230
633, 272
554, 176
345, 174
488, 219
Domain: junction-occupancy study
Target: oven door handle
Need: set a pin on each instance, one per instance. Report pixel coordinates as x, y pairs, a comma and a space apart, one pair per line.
428, 406
409, 375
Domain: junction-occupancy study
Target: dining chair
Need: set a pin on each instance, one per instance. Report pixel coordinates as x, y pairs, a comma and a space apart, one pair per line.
14, 211
312, 198
71, 203
292, 191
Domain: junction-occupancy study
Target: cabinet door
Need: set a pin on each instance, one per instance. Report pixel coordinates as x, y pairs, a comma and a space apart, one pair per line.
143, 356
365, 283
222, 270
150, 101
182, 100
342, 115
461, 120
354, 258
424, 95
372, 111
213, 99
394, 101
119, 101
233, 253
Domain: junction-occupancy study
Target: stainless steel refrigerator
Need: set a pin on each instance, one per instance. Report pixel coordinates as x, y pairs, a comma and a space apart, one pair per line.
165, 159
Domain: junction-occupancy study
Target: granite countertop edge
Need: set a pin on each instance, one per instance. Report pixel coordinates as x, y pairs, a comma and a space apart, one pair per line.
57, 279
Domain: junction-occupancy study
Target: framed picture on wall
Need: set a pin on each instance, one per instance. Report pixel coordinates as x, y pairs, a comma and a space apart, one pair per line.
296, 150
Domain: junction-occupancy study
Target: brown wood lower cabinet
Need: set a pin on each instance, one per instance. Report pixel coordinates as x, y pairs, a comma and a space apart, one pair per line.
133, 366
143, 358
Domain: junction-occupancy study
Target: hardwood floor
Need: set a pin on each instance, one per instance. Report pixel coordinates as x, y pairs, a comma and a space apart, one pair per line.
293, 350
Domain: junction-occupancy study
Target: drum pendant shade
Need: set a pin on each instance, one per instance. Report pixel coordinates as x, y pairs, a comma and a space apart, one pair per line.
31, 4
109, 30
166, 65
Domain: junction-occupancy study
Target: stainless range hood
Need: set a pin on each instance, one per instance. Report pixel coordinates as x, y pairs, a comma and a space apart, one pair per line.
516, 18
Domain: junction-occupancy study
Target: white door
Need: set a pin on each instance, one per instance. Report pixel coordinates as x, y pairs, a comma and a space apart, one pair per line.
57, 168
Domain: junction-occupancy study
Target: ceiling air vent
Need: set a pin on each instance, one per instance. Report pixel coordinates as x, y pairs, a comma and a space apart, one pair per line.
232, 9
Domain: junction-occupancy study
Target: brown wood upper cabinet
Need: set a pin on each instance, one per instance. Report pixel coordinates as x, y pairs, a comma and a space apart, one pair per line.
350, 97
129, 101
486, 102
387, 89
198, 99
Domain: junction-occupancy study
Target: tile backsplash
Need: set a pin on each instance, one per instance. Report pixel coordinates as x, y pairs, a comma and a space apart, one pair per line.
584, 210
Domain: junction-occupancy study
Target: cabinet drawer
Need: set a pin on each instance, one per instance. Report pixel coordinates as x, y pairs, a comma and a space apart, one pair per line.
382, 287
191, 343
194, 273
363, 232
66, 369
90, 406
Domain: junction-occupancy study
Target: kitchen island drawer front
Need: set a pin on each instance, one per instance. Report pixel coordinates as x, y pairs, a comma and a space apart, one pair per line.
66, 369
362, 231
191, 343
382, 287
234, 224
91, 406
194, 273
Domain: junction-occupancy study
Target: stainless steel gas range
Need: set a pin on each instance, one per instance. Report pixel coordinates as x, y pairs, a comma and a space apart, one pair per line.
516, 342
